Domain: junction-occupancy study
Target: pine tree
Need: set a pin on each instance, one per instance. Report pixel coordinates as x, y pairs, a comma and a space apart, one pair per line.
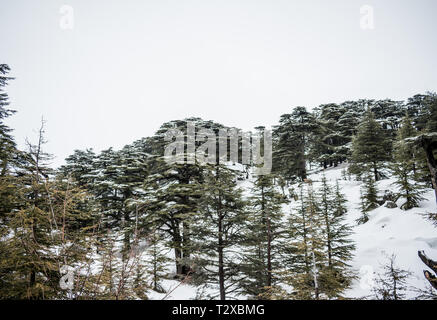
79, 166
32, 226
173, 195
264, 237
309, 244
427, 139
298, 221
392, 283
369, 198
417, 110
222, 217
405, 167
370, 147
431, 124
389, 114
73, 225
157, 260
329, 143
291, 143
8, 152
115, 178
7, 143
102, 285
352, 112
336, 276
47, 229
174, 190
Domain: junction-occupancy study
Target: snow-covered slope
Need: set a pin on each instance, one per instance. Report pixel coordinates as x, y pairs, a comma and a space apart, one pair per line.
388, 231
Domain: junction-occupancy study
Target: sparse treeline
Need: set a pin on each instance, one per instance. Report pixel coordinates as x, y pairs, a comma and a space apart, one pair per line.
114, 216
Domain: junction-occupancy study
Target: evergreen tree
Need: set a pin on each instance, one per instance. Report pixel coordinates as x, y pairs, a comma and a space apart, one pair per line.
329, 143
32, 226
222, 217
336, 276
7, 143
417, 108
370, 147
8, 152
352, 112
431, 124
46, 229
80, 166
389, 115
392, 283
157, 260
405, 167
264, 237
309, 244
298, 222
173, 196
115, 178
369, 198
174, 189
292, 140
427, 139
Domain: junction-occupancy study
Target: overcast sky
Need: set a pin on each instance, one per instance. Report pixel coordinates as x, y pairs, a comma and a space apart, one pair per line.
128, 66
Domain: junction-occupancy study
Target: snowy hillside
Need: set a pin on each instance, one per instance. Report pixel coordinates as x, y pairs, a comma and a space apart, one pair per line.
388, 231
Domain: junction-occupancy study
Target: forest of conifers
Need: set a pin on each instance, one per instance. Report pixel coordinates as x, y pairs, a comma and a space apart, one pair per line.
125, 220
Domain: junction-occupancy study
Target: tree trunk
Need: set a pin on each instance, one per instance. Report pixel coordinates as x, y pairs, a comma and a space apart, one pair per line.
221, 265
431, 165
375, 172
221, 269
269, 238
307, 266
328, 233
269, 255
126, 239
178, 252
178, 256
186, 247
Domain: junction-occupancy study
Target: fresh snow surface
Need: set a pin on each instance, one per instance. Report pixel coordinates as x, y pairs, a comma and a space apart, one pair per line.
388, 231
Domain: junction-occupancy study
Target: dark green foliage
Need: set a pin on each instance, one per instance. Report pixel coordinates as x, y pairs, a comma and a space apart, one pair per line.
321, 246
221, 220
418, 110
157, 260
7, 143
309, 245
45, 230
369, 198
173, 195
330, 139
370, 147
431, 124
292, 139
80, 166
264, 237
405, 167
337, 275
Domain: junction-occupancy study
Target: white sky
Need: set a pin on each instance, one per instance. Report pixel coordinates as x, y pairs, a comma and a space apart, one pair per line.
128, 66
